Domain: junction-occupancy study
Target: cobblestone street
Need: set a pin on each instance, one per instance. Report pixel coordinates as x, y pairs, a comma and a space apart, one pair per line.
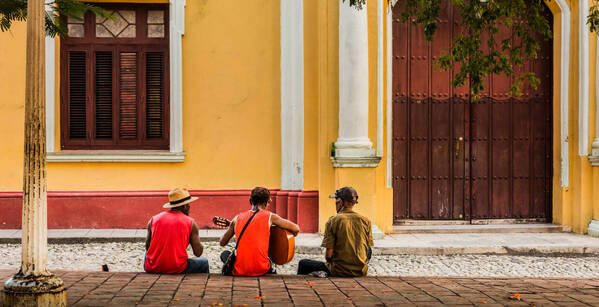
128, 257
130, 289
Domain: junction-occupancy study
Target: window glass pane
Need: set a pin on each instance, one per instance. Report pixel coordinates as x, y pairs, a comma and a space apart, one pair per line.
76, 30
156, 17
156, 31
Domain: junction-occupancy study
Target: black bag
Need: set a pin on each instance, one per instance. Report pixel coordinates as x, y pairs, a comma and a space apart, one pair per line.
230, 262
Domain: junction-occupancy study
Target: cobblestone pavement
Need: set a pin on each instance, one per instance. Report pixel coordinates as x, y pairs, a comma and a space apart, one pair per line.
127, 257
130, 289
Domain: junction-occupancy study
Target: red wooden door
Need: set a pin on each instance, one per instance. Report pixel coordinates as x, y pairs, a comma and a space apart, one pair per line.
453, 159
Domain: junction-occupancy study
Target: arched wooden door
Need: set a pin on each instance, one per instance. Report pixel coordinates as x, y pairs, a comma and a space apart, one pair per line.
457, 159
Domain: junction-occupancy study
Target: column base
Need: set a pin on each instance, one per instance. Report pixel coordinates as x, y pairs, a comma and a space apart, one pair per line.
594, 160
377, 233
42, 291
355, 157
594, 228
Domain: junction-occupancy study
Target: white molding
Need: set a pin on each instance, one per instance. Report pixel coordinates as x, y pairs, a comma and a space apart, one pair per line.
115, 156
177, 29
564, 91
176, 154
379, 80
584, 75
595, 145
594, 160
292, 95
50, 83
50, 53
390, 96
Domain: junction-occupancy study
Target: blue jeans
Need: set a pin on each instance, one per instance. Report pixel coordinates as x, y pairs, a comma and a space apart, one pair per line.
197, 265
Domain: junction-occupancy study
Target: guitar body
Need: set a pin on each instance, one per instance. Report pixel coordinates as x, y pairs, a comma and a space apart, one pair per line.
281, 247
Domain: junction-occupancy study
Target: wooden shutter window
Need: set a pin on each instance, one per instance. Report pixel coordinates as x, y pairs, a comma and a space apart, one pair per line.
115, 79
154, 94
77, 94
128, 96
103, 90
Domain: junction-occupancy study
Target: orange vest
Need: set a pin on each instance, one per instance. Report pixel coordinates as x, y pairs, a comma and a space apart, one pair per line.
252, 253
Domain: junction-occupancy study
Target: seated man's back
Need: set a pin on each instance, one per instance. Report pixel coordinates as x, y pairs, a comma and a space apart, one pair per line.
252, 254
349, 234
170, 236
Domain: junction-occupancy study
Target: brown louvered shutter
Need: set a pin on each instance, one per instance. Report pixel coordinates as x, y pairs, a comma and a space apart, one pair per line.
115, 72
77, 94
154, 94
128, 96
103, 91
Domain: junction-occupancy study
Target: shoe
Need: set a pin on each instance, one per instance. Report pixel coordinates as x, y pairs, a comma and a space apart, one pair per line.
321, 274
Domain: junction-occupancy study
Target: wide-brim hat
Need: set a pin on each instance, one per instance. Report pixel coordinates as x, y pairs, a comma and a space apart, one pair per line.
179, 197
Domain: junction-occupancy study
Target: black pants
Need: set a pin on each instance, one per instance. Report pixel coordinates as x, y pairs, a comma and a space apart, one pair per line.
307, 266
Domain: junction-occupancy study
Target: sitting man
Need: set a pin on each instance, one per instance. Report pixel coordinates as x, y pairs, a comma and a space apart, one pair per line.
252, 251
169, 234
347, 239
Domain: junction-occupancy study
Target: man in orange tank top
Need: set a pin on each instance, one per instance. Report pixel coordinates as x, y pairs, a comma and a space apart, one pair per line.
169, 234
252, 251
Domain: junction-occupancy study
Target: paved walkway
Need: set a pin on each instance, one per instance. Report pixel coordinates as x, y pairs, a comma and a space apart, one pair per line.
130, 289
395, 244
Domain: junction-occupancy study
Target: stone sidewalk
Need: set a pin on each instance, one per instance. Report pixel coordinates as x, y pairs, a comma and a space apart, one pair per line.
131, 289
394, 244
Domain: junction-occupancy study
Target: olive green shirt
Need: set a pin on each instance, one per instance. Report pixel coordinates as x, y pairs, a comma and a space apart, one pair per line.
349, 234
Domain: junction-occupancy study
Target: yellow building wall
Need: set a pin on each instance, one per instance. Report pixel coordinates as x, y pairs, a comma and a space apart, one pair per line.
231, 108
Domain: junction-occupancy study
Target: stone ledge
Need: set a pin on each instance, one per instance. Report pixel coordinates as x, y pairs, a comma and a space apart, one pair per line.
356, 161
115, 156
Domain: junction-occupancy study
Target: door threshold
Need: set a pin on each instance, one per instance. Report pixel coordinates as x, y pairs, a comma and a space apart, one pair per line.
480, 228
411, 222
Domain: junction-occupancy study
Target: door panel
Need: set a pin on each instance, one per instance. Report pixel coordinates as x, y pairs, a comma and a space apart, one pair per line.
454, 158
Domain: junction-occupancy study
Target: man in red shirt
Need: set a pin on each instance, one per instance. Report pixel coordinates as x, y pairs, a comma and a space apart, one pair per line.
252, 251
169, 234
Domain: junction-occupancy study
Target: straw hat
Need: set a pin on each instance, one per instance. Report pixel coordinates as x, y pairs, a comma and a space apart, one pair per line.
178, 197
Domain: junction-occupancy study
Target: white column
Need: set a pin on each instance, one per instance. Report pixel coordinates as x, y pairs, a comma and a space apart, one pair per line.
595, 151
292, 95
177, 29
583, 90
353, 147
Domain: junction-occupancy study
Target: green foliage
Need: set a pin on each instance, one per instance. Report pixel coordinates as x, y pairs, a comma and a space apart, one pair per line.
593, 19
358, 4
478, 50
16, 10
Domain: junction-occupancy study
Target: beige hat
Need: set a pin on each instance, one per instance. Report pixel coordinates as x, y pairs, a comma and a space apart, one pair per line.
178, 197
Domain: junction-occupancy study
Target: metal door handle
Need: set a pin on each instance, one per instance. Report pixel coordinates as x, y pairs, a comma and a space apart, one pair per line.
457, 147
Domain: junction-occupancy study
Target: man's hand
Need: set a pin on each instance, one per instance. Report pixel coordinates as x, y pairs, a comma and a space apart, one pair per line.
194, 240
224, 240
285, 224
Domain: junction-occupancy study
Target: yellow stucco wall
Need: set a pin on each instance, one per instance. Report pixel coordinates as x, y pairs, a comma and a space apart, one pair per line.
231, 108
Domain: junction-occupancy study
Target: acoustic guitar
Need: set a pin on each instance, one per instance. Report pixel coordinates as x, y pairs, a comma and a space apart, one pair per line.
281, 245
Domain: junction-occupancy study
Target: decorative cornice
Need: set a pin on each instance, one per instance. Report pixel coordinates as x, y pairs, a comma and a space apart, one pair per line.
356, 161
594, 161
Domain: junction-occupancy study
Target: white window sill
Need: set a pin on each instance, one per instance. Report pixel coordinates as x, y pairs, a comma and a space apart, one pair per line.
115, 156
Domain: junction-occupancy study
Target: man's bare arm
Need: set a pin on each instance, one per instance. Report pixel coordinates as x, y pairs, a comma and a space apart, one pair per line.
285, 224
194, 240
329, 254
149, 235
224, 240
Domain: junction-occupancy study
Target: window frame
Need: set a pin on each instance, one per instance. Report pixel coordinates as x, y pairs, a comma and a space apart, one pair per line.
141, 44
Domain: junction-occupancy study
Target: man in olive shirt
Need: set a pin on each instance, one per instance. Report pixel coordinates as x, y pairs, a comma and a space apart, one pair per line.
347, 239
